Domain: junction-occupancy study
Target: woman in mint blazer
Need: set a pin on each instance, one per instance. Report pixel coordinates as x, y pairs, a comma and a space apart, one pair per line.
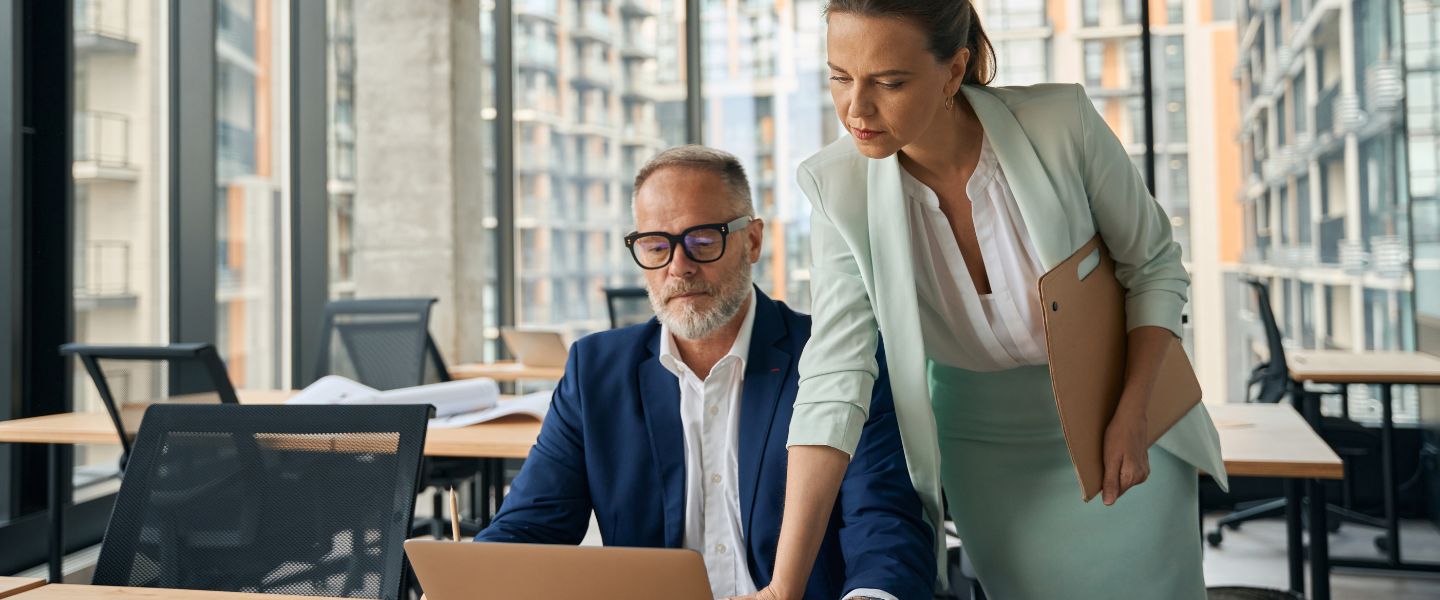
1030, 174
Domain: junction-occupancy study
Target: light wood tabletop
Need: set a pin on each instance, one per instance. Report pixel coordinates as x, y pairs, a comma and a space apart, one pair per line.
105, 592
506, 370
1272, 440
10, 586
1339, 366
509, 437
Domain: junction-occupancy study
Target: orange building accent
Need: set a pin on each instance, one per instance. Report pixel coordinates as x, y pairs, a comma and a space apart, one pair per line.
1225, 97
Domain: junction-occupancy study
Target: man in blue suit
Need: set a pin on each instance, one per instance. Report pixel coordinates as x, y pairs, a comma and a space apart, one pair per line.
673, 432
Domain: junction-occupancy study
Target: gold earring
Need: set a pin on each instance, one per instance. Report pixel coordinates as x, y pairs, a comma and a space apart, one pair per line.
949, 102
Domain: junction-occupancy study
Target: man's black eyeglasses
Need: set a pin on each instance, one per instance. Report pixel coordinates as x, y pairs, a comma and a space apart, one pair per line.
702, 243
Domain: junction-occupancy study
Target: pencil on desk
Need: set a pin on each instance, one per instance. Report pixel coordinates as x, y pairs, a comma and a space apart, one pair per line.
454, 515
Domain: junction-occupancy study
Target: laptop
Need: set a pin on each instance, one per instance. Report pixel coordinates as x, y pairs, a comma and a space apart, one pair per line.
536, 348
466, 570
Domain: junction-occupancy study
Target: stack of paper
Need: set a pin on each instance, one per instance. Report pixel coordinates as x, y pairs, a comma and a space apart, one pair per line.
449, 398
532, 405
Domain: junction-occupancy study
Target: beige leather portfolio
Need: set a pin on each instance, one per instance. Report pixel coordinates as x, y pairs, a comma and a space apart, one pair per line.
1084, 307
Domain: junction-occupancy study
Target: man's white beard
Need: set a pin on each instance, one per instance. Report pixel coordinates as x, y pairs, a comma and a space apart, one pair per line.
688, 322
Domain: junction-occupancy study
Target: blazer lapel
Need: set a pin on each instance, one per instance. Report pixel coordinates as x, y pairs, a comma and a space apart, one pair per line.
765, 372
660, 397
890, 236
1040, 207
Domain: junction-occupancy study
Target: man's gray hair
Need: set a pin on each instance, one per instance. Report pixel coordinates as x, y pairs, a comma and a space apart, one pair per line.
704, 158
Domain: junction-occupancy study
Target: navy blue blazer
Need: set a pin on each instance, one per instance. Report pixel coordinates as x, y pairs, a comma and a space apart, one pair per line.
612, 443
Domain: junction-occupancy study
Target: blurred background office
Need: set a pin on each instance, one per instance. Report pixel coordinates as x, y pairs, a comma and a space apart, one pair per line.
234, 164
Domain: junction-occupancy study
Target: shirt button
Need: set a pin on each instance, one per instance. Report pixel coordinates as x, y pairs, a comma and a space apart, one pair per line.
714, 410
720, 548
715, 478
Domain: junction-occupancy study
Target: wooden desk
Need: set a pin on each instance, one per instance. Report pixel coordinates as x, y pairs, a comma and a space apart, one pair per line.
1385, 369
490, 442
104, 592
1272, 440
506, 438
10, 586
506, 370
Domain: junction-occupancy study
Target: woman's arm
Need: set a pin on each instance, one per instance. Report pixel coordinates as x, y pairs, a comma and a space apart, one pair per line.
838, 370
811, 484
1147, 262
1127, 458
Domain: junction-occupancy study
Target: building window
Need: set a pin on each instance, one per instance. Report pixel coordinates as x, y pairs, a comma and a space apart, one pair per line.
1006, 15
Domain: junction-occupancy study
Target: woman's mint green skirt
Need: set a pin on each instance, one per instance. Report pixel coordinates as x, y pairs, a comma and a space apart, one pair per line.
1016, 502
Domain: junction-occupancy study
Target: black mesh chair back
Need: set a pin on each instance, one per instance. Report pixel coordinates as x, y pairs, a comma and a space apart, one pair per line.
628, 306
382, 343
1274, 375
272, 499
199, 365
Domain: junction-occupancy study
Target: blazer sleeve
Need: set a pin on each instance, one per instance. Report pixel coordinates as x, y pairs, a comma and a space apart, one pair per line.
549, 501
1132, 225
887, 543
837, 368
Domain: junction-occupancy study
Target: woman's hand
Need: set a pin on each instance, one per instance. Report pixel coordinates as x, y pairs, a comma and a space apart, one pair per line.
764, 594
1127, 453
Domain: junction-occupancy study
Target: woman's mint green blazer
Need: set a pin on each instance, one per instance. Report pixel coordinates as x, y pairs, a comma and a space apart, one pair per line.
1071, 177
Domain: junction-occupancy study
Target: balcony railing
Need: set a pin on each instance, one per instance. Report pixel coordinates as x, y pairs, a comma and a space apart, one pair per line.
102, 138
538, 8
531, 53
1384, 86
235, 151
234, 29
636, 8
103, 18
1391, 255
105, 270
591, 25
1354, 259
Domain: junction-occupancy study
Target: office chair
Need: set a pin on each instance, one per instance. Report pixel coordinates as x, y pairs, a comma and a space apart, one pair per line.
385, 343
201, 363
1347, 438
628, 306
274, 499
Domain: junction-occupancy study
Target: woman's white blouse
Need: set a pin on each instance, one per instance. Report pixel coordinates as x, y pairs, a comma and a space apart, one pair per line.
997, 331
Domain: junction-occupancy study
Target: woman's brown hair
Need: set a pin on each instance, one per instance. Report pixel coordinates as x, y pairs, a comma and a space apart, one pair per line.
949, 24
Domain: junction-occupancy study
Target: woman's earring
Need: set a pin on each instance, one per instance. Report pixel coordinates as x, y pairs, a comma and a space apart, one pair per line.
949, 102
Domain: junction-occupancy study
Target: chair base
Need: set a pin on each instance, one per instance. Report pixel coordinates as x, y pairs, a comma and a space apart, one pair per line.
1276, 507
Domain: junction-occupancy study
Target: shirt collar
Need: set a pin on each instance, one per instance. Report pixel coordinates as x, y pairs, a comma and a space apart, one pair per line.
740, 350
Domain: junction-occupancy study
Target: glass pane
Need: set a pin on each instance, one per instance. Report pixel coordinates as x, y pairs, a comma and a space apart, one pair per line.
768, 102
1422, 103
1349, 230
412, 159
121, 204
600, 90
251, 190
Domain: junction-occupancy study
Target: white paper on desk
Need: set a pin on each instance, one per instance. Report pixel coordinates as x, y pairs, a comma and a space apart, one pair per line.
534, 405
334, 389
448, 398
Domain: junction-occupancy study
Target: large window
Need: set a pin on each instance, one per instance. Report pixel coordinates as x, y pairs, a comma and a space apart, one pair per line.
586, 120
251, 196
120, 212
412, 164
767, 100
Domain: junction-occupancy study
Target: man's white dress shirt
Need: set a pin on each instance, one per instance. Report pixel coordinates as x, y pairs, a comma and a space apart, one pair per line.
710, 416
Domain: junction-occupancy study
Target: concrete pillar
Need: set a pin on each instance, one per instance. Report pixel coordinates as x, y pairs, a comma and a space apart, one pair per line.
421, 184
